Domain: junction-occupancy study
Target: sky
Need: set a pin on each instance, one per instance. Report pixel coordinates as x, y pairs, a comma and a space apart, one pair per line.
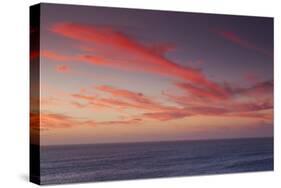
129, 75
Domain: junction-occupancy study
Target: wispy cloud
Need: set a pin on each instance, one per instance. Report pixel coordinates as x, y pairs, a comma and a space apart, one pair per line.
238, 40
63, 68
121, 99
252, 102
45, 122
258, 90
56, 56
133, 121
51, 121
251, 77
203, 92
167, 115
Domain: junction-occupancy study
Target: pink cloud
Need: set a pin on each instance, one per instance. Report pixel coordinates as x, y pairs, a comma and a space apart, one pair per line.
50, 121
260, 89
136, 98
236, 39
251, 77
203, 92
121, 99
62, 68
240, 102
167, 115
238, 110
133, 121
47, 122
56, 56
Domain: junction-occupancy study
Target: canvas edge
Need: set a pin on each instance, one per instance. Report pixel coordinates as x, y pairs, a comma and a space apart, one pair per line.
34, 58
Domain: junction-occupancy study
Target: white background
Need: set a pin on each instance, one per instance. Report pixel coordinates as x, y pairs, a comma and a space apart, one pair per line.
14, 84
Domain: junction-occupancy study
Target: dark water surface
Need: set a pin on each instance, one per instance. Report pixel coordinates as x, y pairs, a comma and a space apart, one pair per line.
100, 162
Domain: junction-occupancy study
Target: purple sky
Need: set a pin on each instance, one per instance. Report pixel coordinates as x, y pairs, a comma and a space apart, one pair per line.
153, 75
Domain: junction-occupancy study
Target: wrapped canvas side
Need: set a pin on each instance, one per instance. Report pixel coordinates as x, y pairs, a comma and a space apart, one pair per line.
34, 94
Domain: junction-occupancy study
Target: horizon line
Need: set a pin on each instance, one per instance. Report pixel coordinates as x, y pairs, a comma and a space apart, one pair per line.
160, 141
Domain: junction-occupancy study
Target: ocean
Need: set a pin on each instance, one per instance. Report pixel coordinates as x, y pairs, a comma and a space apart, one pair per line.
121, 161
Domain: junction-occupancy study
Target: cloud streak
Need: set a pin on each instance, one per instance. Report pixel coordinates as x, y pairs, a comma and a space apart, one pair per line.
248, 102
238, 40
56, 56
121, 99
63, 68
51, 121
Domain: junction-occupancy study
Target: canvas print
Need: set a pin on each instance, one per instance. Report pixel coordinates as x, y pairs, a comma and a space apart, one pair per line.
119, 94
